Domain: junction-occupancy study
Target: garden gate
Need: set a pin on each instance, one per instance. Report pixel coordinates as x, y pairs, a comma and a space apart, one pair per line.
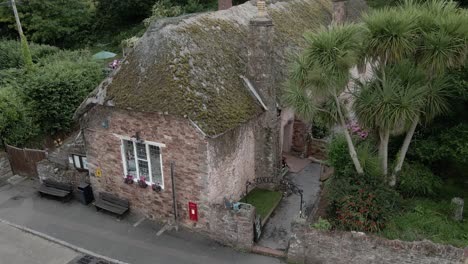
23, 161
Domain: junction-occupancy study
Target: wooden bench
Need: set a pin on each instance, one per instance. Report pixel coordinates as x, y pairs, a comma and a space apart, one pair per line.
56, 189
112, 203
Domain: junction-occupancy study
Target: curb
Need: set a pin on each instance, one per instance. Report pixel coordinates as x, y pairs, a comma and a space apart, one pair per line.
62, 243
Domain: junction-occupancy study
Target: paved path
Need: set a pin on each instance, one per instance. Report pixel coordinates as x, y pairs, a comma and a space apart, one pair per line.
18, 247
101, 233
277, 231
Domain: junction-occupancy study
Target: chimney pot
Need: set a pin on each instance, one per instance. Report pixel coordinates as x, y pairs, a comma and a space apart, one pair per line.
224, 4
339, 11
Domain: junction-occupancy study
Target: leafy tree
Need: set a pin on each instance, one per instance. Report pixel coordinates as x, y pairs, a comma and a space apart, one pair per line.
115, 13
51, 21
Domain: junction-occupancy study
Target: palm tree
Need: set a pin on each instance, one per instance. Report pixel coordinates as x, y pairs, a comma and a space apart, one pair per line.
389, 105
433, 36
391, 38
443, 35
320, 75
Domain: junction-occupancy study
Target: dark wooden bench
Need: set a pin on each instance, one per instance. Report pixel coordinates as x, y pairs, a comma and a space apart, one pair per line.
112, 203
56, 189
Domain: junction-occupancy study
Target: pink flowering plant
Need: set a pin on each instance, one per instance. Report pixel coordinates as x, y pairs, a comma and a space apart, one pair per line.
129, 179
142, 182
355, 129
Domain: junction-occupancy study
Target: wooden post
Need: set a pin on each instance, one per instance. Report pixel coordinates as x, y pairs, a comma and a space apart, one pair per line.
18, 22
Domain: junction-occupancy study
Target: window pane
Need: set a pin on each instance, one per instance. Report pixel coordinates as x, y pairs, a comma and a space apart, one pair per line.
155, 155
129, 155
77, 161
141, 151
85, 163
144, 170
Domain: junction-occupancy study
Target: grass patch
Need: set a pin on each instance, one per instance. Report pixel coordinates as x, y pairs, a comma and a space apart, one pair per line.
428, 219
263, 200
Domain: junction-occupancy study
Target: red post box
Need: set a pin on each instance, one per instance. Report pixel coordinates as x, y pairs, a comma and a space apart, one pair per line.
193, 211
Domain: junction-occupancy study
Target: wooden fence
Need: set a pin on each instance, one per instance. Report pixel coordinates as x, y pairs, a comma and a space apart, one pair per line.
23, 161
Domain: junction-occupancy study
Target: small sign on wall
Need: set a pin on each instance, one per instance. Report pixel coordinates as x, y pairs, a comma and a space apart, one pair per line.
98, 172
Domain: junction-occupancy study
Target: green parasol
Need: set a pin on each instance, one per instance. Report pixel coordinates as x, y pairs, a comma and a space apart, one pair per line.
102, 55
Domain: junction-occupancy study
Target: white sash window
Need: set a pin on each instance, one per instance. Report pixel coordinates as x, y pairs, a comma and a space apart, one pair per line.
142, 161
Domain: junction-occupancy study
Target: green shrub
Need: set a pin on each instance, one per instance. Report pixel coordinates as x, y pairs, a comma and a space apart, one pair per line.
340, 160
56, 89
163, 8
418, 180
338, 156
361, 202
11, 55
449, 143
319, 131
16, 125
322, 224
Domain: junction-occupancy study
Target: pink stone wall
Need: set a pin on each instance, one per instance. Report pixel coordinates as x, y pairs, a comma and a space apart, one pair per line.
232, 163
184, 145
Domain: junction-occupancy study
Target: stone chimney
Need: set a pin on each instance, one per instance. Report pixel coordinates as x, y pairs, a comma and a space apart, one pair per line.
260, 73
339, 11
224, 4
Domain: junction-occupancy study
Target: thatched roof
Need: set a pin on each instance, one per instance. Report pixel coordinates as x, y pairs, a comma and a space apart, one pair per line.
191, 65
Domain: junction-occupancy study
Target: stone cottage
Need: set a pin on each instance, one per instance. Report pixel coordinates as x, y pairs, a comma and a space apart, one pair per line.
201, 93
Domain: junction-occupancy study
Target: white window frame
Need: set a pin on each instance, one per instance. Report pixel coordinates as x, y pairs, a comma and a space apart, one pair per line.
82, 161
147, 145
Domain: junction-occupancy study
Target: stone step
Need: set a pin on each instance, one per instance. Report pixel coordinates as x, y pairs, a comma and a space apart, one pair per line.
269, 251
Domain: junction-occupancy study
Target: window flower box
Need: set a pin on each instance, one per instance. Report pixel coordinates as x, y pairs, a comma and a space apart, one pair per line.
142, 182
156, 187
129, 179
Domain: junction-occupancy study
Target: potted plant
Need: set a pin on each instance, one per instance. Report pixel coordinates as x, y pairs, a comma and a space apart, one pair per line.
129, 179
142, 182
156, 187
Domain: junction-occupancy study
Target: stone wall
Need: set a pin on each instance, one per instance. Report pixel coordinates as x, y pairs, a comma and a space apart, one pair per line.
299, 136
47, 169
5, 168
317, 148
72, 145
232, 228
309, 245
184, 145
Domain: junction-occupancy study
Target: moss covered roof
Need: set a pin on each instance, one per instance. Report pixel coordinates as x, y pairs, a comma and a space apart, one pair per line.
191, 65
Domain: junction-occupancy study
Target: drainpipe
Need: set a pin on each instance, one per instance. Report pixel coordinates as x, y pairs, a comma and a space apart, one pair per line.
174, 201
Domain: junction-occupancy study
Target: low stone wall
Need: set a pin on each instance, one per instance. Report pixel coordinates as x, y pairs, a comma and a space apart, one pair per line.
317, 148
50, 170
316, 246
5, 169
232, 228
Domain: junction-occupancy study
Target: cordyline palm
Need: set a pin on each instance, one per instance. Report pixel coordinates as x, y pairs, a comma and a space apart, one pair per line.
388, 105
443, 46
433, 35
321, 74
